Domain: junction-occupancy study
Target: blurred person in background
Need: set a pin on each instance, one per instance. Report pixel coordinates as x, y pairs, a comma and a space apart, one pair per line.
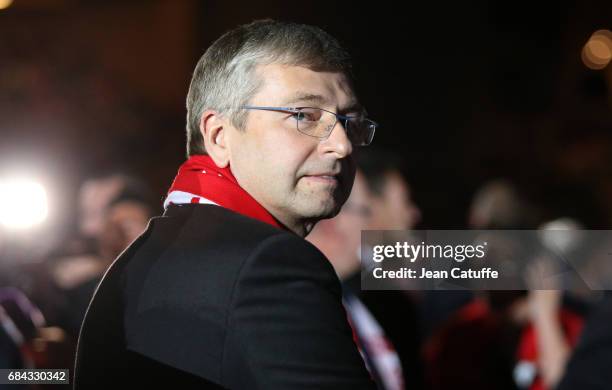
504, 339
497, 204
10, 342
554, 313
589, 364
114, 210
392, 205
470, 337
569, 337
393, 208
64, 286
22, 332
339, 239
96, 196
125, 219
10, 356
76, 259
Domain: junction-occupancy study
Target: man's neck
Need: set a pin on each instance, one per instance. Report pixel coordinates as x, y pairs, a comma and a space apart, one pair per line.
301, 227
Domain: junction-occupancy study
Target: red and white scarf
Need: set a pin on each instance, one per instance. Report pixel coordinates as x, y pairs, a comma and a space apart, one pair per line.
199, 180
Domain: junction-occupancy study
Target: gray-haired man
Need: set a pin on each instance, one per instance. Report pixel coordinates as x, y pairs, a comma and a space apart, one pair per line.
222, 290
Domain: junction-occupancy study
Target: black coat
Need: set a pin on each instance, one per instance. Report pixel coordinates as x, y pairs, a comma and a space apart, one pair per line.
208, 297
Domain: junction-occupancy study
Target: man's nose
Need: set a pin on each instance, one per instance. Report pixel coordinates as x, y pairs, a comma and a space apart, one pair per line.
338, 142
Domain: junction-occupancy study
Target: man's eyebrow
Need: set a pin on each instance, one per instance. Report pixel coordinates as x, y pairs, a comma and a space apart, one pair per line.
305, 97
352, 106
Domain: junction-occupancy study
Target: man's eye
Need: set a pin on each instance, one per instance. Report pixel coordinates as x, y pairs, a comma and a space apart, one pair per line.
303, 116
299, 116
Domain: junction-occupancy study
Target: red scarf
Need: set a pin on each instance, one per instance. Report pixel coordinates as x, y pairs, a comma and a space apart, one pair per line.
199, 180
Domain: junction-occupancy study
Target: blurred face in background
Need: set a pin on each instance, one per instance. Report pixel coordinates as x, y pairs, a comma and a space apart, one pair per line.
125, 221
94, 197
394, 209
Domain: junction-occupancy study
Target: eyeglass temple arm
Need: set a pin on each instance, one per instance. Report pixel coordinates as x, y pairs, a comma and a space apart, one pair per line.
269, 108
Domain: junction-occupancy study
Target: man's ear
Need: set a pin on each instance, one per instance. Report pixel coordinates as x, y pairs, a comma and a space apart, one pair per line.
213, 128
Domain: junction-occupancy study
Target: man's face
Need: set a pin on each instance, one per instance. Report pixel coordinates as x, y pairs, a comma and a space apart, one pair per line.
294, 176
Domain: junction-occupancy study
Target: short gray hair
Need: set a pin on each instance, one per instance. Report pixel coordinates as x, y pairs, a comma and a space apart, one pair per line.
224, 78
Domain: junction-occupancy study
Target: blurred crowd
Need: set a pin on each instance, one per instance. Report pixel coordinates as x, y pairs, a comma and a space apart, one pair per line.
432, 339
43, 303
409, 339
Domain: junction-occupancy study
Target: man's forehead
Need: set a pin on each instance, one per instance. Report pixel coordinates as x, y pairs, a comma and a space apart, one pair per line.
291, 85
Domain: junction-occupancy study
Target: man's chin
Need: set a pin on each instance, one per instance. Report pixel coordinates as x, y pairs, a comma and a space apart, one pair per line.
323, 206
326, 212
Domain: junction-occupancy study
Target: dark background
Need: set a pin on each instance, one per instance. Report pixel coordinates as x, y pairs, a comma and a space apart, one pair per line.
464, 92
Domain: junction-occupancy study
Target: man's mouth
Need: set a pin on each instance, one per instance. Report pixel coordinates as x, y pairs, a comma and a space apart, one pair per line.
329, 178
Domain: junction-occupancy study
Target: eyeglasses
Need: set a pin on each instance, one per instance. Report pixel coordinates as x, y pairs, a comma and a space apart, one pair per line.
319, 123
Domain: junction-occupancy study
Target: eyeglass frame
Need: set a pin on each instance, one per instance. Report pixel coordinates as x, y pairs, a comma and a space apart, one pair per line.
344, 118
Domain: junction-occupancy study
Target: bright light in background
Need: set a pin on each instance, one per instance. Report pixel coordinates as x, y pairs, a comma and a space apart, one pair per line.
23, 203
5, 3
597, 52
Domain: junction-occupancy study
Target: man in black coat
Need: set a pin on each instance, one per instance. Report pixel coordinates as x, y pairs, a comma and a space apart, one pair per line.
222, 290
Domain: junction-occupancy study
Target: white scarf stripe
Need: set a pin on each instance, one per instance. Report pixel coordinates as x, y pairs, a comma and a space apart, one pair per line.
182, 197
